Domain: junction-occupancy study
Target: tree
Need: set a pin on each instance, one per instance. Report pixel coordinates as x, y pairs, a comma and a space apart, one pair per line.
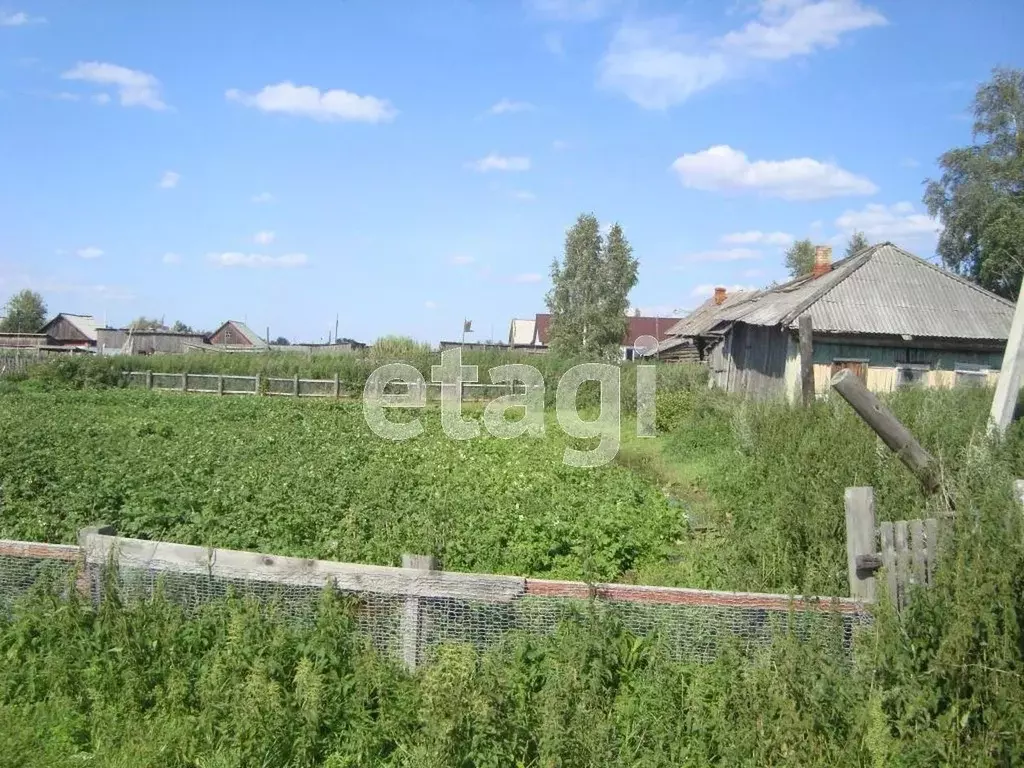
980, 196
25, 313
858, 242
144, 323
590, 289
800, 257
180, 327
281, 341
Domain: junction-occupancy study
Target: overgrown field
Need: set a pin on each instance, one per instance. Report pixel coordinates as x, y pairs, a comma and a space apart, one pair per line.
733, 496
239, 686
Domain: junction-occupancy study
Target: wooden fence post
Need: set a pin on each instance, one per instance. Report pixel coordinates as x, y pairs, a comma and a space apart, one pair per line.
860, 540
1018, 490
184, 382
337, 385
256, 383
149, 379
888, 427
806, 360
220, 385
296, 393
411, 615
1008, 387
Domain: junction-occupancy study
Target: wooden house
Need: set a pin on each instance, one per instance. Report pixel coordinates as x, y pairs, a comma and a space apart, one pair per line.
237, 336
68, 330
895, 319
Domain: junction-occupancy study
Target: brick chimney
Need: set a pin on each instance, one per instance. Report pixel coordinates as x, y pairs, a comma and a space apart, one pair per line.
822, 260
719, 295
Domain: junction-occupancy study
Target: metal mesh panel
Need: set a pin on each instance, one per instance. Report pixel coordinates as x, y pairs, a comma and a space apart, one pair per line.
316, 387
202, 382
167, 380
239, 385
695, 625
280, 386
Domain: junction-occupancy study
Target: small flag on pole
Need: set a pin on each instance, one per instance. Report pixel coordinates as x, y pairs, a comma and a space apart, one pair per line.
467, 326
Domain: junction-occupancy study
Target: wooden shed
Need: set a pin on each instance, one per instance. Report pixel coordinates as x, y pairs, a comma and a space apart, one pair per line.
68, 330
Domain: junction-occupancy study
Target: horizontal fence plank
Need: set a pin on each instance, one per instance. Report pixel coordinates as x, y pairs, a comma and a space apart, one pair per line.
235, 564
682, 596
34, 549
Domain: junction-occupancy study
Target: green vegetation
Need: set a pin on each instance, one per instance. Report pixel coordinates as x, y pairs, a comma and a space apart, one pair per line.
589, 295
25, 312
309, 478
237, 685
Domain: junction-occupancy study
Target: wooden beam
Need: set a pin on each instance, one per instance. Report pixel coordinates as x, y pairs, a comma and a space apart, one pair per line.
412, 623
227, 563
806, 360
888, 427
860, 539
1008, 386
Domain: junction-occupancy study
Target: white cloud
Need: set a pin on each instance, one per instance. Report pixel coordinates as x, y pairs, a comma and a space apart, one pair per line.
65, 96
757, 237
101, 98
751, 273
524, 194
171, 258
255, 260
494, 162
19, 19
817, 224
506, 106
263, 197
89, 252
306, 101
573, 10
266, 237
707, 290
899, 222
169, 180
787, 29
461, 260
553, 42
656, 66
722, 168
134, 88
430, 305
527, 277
727, 254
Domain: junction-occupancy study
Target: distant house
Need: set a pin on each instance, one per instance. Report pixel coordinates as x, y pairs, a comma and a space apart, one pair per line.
521, 333
637, 327
341, 346
891, 317
68, 330
237, 336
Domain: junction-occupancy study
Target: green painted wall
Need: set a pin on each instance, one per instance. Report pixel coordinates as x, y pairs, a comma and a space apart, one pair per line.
826, 352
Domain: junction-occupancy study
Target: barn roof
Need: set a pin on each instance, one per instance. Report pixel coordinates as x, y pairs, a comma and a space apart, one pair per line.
251, 335
84, 324
882, 290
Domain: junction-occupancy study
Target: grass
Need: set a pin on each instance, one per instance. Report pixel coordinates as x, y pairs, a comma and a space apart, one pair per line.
237, 685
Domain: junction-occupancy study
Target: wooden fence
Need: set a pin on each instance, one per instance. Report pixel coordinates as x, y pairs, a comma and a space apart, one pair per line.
906, 552
292, 386
410, 609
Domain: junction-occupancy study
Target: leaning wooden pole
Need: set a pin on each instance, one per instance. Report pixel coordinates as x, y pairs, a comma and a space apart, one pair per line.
1008, 386
806, 360
888, 427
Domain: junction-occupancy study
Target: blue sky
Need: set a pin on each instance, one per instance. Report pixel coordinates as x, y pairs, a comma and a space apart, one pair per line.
403, 165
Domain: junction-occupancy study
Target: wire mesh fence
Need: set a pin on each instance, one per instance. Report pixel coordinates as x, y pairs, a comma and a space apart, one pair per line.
409, 613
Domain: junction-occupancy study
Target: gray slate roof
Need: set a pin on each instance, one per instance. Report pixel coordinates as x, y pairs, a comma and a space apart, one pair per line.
706, 315
882, 290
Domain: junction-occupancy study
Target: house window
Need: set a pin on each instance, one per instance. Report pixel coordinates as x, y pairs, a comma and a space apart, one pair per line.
859, 367
908, 375
970, 375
